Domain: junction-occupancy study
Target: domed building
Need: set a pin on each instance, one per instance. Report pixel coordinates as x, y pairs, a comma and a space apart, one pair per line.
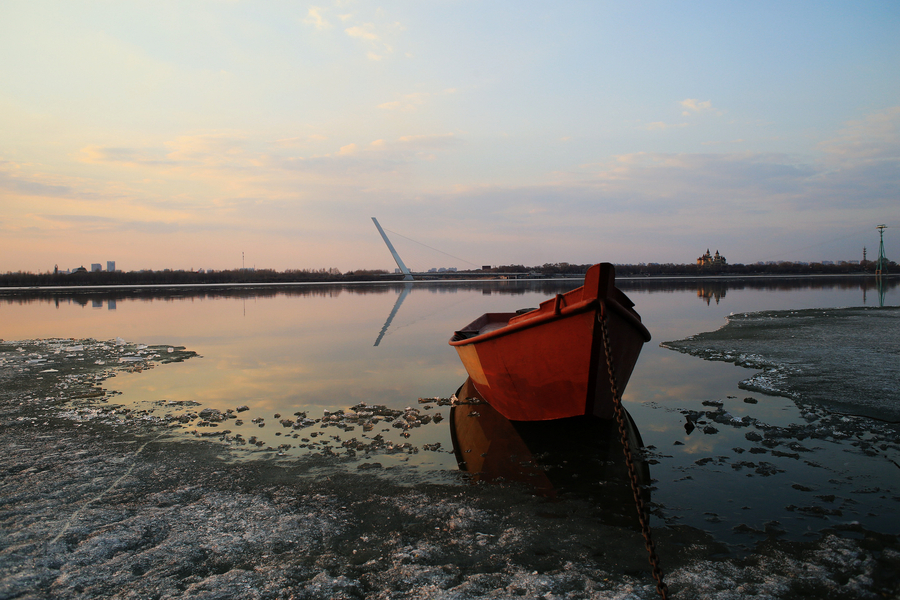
707, 260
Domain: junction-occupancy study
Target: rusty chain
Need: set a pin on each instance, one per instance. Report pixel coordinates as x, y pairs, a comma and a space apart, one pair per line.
643, 514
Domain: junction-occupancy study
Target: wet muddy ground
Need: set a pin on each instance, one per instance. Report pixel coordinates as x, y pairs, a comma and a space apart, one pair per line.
100, 501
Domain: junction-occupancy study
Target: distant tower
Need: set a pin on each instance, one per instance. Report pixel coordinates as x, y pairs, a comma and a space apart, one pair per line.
110, 266
882, 261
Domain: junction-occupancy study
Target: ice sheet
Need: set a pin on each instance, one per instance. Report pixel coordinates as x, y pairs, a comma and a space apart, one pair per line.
846, 359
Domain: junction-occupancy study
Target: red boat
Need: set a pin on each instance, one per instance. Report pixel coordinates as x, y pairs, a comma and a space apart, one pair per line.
550, 363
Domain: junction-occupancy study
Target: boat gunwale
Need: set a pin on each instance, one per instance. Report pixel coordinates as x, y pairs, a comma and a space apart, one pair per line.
564, 312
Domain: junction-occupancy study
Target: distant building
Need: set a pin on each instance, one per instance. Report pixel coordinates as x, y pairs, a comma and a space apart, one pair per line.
110, 266
95, 267
707, 259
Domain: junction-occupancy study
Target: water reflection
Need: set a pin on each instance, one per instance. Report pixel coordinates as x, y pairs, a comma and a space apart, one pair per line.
579, 456
98, 303
712, 290
707, 289
880, 286
716, 288
403, 294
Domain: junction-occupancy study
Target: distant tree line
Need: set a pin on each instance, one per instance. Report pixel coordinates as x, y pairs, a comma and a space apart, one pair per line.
270, 276
172, 277
693, 270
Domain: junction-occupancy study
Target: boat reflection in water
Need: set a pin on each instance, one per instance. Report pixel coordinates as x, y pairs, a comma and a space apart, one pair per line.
575, 456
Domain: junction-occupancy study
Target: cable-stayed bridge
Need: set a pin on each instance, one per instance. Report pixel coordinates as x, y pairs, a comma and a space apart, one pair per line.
408, 275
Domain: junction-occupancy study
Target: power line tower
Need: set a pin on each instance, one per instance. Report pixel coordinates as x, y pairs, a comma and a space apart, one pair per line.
882, 261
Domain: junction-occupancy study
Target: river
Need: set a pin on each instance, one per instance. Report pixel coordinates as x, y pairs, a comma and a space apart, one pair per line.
317, 350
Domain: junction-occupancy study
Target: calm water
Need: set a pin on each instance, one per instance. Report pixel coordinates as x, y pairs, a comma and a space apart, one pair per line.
313, 349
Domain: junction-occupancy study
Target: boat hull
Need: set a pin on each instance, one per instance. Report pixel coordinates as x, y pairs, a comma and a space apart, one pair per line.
551, 363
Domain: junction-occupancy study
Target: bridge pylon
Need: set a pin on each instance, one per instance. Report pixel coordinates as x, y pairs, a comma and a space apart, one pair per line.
882, 260
407, 276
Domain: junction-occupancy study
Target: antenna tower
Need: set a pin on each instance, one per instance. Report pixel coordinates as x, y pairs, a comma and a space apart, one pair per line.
882, 261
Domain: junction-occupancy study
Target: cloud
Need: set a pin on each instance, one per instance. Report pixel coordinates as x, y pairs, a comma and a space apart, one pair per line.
663, 125
314, 18
433, 141
362, 32
676, 199
230, 181
294, 141
876, 136
693, 106
376, 165
100, 224
208, 149
407, 103
376, 42
410, 102
123, 156
34, 188
719, 143
725, 179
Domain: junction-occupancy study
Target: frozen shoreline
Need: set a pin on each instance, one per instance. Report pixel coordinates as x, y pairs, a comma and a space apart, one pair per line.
846, 359
111, 507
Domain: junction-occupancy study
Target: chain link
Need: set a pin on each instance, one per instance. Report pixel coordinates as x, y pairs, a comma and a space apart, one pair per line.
643, 513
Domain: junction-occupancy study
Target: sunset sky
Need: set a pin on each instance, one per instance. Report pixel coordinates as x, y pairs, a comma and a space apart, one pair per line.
165, 134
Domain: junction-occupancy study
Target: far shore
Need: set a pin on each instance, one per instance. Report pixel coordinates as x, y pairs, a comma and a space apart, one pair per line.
431, 278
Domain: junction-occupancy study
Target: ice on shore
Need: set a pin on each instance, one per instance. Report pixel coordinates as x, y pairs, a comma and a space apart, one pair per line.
847, 359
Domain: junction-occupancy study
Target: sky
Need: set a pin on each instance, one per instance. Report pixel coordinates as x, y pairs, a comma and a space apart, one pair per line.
217, 134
